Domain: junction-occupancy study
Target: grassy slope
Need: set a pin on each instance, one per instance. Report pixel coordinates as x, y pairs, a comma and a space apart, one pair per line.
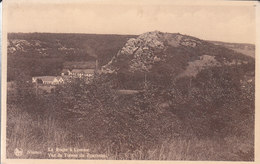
176, 62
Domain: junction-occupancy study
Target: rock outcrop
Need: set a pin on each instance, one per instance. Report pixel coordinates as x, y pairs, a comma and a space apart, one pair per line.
147, 49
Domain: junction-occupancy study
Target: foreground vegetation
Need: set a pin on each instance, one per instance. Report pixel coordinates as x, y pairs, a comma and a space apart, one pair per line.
207, 117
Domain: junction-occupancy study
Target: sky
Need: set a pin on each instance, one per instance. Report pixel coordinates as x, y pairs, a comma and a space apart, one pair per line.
229, 23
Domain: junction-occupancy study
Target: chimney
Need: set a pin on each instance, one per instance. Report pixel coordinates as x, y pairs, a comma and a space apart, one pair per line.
96, 64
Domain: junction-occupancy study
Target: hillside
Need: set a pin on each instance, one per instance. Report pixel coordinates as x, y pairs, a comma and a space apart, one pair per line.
165, 55
47, 52
78, 47
247, 49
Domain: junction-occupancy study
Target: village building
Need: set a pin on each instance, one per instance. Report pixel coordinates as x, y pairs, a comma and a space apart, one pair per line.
80, 69
65, 72
50, 80
83, 72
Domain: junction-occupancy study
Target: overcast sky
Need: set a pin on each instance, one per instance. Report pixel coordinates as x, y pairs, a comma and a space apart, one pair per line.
223, 23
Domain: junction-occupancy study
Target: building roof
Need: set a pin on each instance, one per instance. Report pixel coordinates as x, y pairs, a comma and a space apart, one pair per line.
64, 70
84, 71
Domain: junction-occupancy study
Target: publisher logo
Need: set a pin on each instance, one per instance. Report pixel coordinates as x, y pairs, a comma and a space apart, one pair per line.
18, 152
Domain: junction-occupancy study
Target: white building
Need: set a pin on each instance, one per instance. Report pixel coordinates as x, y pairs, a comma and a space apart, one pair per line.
51, 80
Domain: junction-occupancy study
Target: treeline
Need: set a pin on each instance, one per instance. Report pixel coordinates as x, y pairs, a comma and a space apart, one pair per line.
32, 67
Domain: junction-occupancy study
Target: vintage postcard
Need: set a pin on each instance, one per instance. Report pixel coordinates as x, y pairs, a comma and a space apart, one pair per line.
129, 81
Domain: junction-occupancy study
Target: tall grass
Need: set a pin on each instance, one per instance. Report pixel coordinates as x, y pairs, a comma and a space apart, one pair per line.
28, 133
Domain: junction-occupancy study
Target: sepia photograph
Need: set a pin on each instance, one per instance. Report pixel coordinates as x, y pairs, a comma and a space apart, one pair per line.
140, 80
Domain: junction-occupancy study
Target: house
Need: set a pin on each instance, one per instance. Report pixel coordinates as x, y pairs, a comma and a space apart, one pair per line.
83, 72
79, 69
65, 72
51, 80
